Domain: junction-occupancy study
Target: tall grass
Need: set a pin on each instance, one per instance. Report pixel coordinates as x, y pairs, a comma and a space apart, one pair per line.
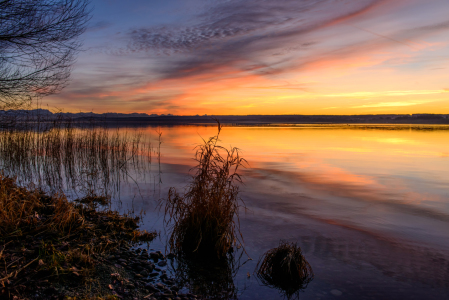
62, 156
205, 217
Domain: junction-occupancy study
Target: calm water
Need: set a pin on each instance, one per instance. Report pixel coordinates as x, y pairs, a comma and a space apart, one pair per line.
369, 206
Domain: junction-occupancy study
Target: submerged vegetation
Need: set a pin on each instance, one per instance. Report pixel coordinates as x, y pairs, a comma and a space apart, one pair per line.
285, 268
205, 216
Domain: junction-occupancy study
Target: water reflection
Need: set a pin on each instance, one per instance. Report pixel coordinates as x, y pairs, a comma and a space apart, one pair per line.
212, 279
369, 207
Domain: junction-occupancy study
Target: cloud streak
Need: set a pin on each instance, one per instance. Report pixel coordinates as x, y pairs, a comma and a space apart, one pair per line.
255, 36
244, 56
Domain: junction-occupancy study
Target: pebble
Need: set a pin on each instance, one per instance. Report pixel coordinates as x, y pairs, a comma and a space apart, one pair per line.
151, 287
162, 263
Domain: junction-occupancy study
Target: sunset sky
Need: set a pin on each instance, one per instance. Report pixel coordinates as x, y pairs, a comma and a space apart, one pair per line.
244, 57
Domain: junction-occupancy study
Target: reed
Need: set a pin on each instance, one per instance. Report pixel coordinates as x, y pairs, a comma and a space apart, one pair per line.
285, 268
61, 155
205, 217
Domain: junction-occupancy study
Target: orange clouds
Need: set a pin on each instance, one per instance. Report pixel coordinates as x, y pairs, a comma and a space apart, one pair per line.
317, 57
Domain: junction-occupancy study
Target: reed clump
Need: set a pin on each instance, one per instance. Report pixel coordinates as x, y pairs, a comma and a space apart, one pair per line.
205, 217
285, 268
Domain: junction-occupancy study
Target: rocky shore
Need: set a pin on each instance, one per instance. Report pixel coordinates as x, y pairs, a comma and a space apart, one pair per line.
53, 248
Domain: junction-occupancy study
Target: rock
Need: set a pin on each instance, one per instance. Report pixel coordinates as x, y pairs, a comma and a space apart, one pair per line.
162, 263
154, 274
150, 268
139, 269
144, 273
151, 287
170, 255
164, 276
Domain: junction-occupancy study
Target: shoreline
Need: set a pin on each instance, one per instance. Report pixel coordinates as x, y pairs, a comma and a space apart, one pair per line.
61, 249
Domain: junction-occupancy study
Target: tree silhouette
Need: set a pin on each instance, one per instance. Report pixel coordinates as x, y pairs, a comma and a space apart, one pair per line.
38, 45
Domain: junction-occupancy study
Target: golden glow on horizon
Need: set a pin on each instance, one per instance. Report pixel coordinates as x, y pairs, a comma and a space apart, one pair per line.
333, 160
378, 77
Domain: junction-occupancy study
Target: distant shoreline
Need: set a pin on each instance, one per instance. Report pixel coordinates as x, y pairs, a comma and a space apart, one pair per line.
229, 120
273, 121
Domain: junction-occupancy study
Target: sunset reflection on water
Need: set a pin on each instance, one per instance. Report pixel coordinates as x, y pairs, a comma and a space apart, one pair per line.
368, 205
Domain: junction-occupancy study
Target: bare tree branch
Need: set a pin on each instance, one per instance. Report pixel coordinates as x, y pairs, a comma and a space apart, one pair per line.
38, 45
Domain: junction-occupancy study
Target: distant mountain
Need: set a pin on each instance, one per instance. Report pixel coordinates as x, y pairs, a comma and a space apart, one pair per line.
47, 113
113, 118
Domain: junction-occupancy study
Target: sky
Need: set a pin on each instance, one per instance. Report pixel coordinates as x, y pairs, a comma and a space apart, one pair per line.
243, 57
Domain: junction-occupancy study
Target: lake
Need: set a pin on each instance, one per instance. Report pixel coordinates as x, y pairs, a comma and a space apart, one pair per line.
367, 204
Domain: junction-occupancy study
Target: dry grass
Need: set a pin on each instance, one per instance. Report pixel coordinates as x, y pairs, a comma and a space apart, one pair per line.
22, 210
285, 268
45, 236
205, 216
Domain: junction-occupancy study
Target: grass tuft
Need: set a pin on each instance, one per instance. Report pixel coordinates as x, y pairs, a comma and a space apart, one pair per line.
205, 216
30, 212
285, 268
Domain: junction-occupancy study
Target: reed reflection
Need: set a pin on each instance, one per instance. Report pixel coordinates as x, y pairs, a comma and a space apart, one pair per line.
212, 279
